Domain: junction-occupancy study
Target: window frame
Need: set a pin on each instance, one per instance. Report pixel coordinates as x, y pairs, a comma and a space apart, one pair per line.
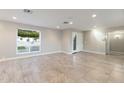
17, 53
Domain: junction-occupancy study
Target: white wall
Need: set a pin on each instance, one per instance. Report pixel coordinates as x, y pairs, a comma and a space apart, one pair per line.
66, 41
94, 41
50, 39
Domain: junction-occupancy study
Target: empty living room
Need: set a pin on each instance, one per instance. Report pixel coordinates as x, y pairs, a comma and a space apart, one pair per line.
61, 45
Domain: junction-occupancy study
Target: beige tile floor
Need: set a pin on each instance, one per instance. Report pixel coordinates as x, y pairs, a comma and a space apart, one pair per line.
64, 68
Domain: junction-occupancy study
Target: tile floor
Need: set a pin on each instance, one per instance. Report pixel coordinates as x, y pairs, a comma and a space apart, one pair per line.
63, 68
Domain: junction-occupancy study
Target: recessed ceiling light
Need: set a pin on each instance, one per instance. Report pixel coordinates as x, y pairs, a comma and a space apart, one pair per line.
57, 27
70, 22
94, 30
94, 15
14, 17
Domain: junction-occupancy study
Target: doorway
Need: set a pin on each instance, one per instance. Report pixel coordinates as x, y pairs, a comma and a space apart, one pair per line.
77, 42
116, 43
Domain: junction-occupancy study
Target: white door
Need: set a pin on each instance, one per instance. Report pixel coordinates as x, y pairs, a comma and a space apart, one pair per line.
77, 42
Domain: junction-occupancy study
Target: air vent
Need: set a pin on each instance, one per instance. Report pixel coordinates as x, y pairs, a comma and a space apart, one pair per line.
65, 22
28, 11
68, 22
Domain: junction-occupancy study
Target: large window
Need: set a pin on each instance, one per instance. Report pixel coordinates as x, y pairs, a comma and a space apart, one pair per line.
28, 41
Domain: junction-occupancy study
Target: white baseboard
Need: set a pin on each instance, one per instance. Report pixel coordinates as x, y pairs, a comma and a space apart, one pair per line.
117, 53
46, 53
95, 52
20, 57
28, 56
66, 52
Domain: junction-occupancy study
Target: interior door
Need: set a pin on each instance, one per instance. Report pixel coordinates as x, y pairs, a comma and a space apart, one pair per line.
77, 42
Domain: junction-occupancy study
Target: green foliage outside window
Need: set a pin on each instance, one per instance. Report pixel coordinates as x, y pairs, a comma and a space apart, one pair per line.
28, 33
21, 47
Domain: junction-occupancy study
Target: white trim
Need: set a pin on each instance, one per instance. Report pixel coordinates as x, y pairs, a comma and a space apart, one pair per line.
46, 53
73, 34
66, 52
28, 56
20, 57
115, 52
29, 49
95, 52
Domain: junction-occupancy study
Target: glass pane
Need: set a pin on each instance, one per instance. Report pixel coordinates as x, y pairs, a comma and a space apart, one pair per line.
22, 45
34, 48
28, 41
35, 44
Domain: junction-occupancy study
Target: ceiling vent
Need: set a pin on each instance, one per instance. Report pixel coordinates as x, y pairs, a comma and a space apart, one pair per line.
28, 11
66, 22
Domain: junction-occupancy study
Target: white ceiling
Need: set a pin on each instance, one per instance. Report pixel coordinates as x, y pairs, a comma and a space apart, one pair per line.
81, 18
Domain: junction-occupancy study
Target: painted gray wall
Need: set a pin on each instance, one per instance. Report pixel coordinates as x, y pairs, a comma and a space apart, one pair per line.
50, 39
66, 41
116, 46
116, 43
94, 41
